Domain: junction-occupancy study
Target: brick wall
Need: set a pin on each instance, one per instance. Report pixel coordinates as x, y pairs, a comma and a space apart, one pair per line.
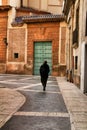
43, 32
36, 32
3, 34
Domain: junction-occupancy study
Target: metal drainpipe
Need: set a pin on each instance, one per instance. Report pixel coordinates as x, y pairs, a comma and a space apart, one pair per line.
72, 13
69, 47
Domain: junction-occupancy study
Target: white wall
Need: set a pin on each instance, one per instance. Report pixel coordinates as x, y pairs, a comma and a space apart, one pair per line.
25, 3
34, 3
0, 2
82, 66
53, 6
84, 42
12, 12
53, 2
44, 5
14, 3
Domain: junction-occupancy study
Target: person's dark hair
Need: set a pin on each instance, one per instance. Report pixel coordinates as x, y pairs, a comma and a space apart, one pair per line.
45, 62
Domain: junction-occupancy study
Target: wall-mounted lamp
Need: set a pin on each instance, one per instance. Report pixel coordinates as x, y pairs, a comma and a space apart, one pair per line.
5, 41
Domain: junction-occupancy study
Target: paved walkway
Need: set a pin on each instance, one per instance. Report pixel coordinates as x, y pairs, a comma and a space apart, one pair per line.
10, 102
76, 102
42, 110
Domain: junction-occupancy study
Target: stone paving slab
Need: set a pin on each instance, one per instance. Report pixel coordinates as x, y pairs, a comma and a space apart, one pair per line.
81, 125
80, 117
42, 101
38, 123
46, 114
76, 103
10, 102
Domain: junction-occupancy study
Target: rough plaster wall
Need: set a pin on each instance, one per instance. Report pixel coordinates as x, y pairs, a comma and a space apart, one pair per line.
53, 6
0, 2
34, 3
44, 5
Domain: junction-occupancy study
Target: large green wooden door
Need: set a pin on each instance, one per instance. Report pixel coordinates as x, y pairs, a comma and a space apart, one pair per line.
42, 52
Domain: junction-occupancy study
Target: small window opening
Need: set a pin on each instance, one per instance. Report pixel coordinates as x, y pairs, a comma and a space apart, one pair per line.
76, 62
15, 55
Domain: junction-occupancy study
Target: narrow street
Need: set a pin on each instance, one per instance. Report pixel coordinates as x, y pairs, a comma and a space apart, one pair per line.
42, 110
37, 33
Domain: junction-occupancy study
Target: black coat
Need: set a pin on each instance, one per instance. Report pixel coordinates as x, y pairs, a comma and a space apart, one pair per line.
44, 70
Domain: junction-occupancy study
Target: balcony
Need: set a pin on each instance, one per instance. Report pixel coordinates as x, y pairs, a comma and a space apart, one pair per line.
67, 5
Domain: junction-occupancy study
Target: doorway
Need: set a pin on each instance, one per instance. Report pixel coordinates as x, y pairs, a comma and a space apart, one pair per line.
85, 70
42, 52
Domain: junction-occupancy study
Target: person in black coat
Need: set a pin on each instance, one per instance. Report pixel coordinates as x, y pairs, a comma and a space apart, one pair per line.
44, 71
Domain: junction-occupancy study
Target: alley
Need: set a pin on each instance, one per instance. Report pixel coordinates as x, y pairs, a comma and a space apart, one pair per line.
42, 110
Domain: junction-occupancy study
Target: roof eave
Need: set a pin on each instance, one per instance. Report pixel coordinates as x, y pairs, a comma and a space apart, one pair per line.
42, 20
19, 21
5, 8
47, 19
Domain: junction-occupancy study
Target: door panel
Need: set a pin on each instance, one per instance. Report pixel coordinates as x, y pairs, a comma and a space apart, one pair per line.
42, 52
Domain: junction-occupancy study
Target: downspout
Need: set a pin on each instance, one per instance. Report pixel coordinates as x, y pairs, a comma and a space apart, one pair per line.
72, 67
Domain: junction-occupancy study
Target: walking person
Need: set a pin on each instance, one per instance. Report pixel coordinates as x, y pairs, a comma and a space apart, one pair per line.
44, 72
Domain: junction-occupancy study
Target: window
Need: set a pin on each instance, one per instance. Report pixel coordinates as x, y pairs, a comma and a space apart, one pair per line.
77, 23
77, 18
76, 62
86, 26
15, 55
75, 36
75, 39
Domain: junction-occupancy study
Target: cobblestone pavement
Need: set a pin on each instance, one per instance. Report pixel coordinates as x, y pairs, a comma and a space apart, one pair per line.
42, 110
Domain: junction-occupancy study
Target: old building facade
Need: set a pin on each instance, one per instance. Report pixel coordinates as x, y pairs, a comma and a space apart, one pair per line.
33, 33
76, 19
3, 36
